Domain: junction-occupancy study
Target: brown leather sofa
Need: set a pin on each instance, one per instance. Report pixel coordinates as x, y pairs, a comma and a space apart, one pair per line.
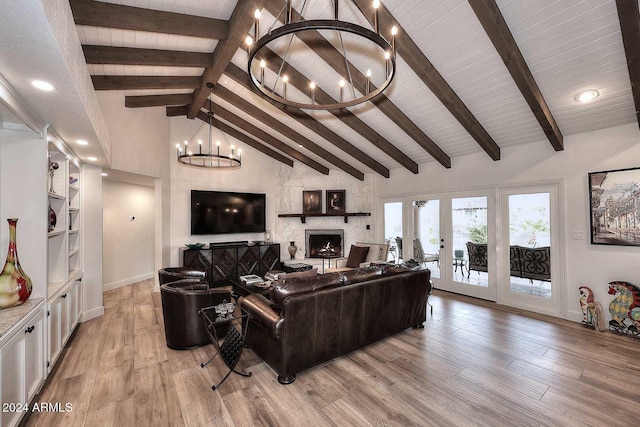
308, 321
184, 327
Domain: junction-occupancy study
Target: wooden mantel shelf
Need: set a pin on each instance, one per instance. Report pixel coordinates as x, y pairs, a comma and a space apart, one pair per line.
303, 217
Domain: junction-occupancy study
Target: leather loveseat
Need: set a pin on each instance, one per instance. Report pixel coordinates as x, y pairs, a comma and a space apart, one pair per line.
308, 321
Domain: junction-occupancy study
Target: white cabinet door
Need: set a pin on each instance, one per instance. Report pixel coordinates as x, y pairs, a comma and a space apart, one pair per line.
62, 311
55, 336
65, 316
75, 302
34, 354
21, 368
11, 366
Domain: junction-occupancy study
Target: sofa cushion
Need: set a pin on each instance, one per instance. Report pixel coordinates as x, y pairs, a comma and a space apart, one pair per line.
358, 275
307, 273
302, 285
357, 255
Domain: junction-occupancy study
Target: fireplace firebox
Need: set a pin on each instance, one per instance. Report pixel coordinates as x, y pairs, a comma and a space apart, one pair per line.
320, 243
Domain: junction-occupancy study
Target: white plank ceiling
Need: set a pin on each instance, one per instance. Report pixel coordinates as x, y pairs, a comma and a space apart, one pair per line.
569, 45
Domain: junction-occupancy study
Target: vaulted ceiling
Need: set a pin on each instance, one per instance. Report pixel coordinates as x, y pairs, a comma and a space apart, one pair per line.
472, 75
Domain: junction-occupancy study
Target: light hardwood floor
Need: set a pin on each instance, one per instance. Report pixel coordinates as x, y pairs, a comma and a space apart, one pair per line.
475, 363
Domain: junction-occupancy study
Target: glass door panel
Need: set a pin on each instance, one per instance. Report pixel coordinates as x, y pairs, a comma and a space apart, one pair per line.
531, 234
530, 244
470, 233
426, 234
393, 229
442, 226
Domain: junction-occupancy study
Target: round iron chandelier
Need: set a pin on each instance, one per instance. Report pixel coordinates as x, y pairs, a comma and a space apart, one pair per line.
210, 158
379, 50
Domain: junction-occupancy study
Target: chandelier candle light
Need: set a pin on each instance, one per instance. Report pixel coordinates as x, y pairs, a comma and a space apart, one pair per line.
209, 159
363, 44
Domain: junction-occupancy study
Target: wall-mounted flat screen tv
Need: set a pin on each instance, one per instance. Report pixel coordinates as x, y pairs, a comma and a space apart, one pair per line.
217, 212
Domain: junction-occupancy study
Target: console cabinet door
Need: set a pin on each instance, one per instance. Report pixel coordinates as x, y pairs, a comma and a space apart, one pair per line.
269, 258
225, 264
248, 260
198, 260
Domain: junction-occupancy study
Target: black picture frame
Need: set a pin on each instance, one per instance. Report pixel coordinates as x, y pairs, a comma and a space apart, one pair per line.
336, 201
613, 207
312, 202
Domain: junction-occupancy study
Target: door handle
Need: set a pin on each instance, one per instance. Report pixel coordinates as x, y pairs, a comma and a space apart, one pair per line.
29, 329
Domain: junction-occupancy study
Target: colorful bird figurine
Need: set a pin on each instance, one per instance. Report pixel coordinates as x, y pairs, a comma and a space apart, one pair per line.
625, 308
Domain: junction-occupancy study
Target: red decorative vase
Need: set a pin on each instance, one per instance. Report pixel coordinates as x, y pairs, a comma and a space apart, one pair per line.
15, 285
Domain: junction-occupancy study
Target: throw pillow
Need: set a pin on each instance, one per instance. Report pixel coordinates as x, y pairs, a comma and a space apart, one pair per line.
357, 255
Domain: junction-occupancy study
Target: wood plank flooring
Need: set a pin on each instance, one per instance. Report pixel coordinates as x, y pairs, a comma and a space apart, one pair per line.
475, 363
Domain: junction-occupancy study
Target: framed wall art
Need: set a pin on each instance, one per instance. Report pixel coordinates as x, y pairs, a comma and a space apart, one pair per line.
614, 200
336, 201
312, 202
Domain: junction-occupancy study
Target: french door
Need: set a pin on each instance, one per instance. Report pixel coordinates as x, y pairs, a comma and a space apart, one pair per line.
531, 249
500, 244
441, 229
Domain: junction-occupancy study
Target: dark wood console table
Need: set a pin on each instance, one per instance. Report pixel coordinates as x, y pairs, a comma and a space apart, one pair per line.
229, 262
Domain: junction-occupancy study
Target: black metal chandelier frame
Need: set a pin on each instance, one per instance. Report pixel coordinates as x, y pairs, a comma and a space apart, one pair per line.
210, 160
291, 28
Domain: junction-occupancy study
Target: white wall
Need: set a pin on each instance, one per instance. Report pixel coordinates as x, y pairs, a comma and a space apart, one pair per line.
138, 136
586, 264
128, 245
22, 151
257, 175
359, 197
92, 242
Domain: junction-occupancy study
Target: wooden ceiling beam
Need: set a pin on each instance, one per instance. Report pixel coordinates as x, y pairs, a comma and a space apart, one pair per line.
241, 77
182, 111
415, 58
630, 25
157, 100
257, 113
301, 82
144, 82
132, 56
240, 23
109, 15
336, 60
496, 27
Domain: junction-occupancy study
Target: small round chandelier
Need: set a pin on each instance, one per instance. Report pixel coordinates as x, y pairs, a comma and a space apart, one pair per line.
210, 158
284, 45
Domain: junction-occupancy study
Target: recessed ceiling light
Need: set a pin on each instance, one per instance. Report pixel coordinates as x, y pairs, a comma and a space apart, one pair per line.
82, 142
92, 159
586, 95
42, 85
104, 174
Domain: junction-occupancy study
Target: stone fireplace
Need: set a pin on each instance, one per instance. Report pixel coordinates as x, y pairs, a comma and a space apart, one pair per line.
321, 242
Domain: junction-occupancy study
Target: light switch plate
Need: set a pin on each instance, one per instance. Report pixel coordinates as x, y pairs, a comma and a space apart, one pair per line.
578, 235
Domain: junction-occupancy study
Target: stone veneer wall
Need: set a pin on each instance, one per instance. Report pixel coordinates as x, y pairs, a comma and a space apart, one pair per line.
291, 182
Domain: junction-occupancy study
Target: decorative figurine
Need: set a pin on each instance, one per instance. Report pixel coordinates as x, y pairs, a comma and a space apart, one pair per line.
625, 308
592, 315
53, 166
588, 306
